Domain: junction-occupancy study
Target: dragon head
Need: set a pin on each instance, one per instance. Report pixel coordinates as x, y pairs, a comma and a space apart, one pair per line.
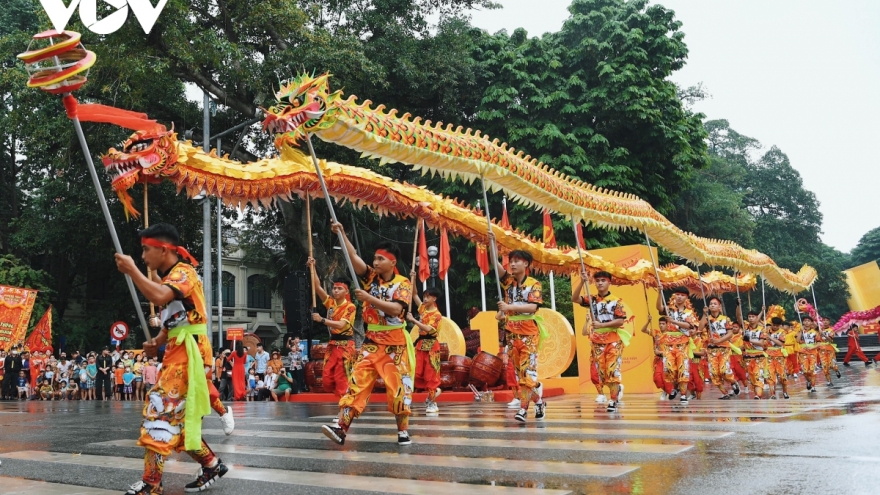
304, 105
146, 156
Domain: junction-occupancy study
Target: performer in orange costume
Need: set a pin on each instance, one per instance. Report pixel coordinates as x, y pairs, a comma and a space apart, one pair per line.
660, 382
809, 339
608, 337
340, 356
695, 385
524, 330
387, 351
175, 406
828, 353
736, 360
792, 362
428, 347
756, 342
718, 347
776, 357
681, 319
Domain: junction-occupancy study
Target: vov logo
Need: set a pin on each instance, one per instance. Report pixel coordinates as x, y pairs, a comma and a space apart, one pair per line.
60, 14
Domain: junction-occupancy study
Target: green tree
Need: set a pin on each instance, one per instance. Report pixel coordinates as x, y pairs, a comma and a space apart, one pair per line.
762, 204
52, 221
868, 248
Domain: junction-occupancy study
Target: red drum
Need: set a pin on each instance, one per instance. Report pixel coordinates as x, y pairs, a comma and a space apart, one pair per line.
447, 380
314, 375
318, 351
444, 352
461, 369
486, 369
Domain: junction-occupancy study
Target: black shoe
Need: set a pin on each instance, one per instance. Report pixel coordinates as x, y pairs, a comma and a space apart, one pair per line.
540, 409
785, 396
612, 406
334, 433
846, 364
809, 387
684, 400
673, 395
693, 395
142, 488
838, 373
867, 363
757, 397
521, 415
735, 389
207, 477
403, 438
725, 397
773, 397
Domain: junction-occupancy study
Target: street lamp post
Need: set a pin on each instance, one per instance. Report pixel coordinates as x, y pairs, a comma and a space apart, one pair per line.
433, 264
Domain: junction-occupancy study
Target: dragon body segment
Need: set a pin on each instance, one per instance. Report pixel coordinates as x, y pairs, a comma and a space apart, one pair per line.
306, 105
156, 155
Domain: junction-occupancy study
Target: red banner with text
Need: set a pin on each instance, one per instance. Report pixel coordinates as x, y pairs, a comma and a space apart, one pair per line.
16, 305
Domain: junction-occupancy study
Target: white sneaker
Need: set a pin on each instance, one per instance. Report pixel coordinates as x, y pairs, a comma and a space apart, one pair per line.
514, 404
664, 395
601, 398
432, 408
228, 421
620, 394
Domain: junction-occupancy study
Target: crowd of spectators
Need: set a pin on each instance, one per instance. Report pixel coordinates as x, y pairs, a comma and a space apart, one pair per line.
117, 375
267, 375
128, 375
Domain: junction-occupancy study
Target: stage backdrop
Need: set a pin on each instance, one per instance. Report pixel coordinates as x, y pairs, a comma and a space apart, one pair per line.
637, 357
16, 305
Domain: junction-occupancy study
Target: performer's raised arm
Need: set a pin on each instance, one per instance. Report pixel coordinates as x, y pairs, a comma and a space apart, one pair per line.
359, 266
316, 282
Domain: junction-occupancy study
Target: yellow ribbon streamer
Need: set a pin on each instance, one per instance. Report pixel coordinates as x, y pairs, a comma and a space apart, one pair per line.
198, 401
736, 350
410, 349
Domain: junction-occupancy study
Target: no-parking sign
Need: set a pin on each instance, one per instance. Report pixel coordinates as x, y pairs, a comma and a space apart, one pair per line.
119, 330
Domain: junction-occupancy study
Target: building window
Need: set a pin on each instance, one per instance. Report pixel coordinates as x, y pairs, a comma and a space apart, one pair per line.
228, 289
259, 292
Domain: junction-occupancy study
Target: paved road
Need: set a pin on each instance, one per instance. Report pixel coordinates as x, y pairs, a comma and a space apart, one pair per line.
820, 443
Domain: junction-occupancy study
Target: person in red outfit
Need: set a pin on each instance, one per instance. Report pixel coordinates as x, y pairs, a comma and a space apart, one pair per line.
341, 355
659, 378
428, 347
853, 347
238, 358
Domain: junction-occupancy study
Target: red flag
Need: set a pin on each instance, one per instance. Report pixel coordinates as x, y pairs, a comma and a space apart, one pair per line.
445, 260
505, 224
580, 236
424, 265
41, 337
483, 259
549, 234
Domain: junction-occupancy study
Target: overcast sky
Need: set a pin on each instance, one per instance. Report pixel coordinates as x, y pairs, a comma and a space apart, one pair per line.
802, 75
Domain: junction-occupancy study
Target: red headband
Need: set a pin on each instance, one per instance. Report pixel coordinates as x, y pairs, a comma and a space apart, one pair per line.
347, 290
390, 257
180, 250
386, 254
